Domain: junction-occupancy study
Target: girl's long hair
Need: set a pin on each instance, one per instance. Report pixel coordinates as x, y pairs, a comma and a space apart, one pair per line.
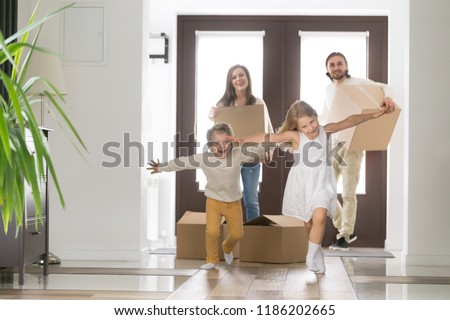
229, 95
298, 109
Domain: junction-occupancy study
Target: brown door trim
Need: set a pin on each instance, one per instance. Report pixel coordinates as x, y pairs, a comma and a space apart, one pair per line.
281, 87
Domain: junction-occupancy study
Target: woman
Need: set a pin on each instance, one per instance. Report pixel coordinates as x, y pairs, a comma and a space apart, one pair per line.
238, 92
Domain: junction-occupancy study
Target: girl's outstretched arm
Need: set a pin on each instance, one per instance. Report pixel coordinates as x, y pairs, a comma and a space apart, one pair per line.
355, 119
287, 136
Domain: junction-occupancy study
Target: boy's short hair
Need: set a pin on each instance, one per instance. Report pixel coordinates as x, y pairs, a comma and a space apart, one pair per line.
219, 127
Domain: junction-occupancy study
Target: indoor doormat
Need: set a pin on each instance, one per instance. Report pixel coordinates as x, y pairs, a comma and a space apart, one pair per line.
359, 252
163, 251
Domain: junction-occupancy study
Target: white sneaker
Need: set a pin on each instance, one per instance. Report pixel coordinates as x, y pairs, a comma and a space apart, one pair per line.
208, 266
228, 258
311, 264
311, 256
320, 262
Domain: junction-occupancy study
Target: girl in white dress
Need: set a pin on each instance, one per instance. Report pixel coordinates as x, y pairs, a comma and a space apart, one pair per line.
310, 192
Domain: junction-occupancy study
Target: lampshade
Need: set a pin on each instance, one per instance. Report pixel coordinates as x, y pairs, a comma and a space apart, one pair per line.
46, 66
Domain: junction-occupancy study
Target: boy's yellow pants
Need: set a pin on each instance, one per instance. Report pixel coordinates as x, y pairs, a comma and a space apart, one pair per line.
232, 211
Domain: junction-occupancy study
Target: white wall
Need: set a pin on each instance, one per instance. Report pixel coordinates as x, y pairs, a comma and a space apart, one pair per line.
163, 17
105, 207
429, 154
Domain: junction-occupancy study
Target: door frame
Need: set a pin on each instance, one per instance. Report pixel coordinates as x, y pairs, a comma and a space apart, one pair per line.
281, 86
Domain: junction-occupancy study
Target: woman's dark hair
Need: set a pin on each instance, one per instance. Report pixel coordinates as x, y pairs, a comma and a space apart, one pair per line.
229, 96
334, 54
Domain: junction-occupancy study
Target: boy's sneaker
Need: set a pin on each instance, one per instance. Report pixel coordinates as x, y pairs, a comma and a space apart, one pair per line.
228, 258
352, 238
340, 244
208, 266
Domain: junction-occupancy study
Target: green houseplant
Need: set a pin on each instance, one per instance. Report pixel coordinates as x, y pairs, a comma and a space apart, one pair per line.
19, 166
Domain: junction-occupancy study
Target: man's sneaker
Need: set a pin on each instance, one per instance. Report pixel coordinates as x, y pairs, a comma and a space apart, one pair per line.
352, 238
340, 244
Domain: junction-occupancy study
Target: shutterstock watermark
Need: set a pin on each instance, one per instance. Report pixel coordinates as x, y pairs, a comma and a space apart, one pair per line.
120, 153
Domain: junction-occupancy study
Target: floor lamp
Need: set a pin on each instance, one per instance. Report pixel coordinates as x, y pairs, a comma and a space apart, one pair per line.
46, 66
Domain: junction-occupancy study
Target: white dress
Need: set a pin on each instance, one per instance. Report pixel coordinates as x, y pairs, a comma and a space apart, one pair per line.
311, 182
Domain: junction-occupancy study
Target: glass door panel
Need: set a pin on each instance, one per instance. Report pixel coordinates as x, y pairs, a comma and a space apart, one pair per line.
216, 52
314, 49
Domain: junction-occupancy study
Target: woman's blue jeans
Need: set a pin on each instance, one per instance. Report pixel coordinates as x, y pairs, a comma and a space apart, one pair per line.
250, 182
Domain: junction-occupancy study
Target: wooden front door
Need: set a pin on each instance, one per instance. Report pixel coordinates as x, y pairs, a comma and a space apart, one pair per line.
281, 86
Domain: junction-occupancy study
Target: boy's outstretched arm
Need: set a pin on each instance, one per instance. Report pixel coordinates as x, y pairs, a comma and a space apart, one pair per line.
153, 166
356, 119
178, 164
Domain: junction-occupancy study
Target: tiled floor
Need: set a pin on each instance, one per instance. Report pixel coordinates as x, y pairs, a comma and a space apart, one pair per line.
162, 277
384, 279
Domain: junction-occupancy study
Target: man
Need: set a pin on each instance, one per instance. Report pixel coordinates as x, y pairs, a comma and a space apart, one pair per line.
349, 163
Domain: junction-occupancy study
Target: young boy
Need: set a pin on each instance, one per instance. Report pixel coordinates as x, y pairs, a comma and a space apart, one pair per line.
222, 168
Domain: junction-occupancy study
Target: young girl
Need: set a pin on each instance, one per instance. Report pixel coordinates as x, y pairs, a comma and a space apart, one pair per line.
310, 192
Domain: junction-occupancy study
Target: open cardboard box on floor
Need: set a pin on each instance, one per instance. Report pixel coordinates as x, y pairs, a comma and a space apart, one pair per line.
371, 135
244, 120
191, 237
274, 239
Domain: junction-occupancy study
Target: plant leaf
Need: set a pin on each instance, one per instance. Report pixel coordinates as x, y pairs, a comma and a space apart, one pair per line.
19, 167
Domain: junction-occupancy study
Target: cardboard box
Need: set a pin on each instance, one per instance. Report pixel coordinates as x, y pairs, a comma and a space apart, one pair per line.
371, 135
244, 120
274, 239
191, 237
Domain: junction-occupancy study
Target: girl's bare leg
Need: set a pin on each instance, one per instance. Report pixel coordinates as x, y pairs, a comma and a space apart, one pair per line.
316, 229
317, 225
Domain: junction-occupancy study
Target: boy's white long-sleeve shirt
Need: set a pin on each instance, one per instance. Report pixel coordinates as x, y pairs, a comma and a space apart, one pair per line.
222, 175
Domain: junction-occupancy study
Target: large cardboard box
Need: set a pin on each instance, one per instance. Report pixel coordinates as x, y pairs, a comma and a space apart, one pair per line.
191, 237
274, 239
244, 120
371, 135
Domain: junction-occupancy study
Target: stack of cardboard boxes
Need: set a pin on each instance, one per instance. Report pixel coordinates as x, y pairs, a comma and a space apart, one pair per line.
191, 236
268, 238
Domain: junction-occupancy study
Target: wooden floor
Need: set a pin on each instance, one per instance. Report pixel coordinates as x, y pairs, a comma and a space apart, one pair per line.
163, 277
268, 282
182, 281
